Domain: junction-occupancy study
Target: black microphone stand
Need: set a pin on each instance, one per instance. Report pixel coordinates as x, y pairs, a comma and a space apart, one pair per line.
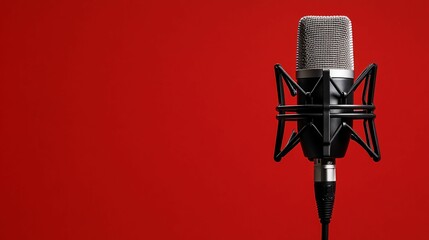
324, 166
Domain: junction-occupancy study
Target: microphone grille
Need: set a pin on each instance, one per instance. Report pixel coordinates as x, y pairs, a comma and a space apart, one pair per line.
325, 42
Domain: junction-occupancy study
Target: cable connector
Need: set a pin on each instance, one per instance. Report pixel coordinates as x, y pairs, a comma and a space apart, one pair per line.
324, 189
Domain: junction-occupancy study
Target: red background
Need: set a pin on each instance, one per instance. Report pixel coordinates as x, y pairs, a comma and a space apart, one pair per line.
156, 120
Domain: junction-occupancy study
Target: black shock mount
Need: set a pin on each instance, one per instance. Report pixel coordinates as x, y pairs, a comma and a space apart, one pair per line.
364, 112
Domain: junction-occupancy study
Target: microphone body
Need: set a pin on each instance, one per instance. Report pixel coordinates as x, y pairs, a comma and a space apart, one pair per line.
312, 143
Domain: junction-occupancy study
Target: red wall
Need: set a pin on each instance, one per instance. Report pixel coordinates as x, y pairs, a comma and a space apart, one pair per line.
156, 120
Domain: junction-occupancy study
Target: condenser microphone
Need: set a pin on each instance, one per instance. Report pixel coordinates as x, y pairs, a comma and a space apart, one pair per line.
324, 48
325, 111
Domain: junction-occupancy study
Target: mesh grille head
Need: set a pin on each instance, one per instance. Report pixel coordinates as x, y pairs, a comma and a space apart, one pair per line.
325, 42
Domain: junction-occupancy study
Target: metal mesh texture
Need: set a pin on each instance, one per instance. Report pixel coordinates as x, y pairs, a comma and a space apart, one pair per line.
324, 42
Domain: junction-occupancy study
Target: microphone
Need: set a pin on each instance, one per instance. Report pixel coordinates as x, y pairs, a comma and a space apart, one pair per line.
325, 108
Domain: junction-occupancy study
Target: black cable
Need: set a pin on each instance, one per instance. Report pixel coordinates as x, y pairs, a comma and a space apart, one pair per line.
325, 230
